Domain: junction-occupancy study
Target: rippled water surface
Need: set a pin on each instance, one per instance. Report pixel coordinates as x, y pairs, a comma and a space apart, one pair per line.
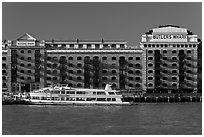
143, 119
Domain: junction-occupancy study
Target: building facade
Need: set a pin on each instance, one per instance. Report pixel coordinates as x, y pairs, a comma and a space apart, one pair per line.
171, 59
165, 61
34, 64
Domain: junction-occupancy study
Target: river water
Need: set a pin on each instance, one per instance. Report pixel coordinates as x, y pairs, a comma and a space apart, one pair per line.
142, 119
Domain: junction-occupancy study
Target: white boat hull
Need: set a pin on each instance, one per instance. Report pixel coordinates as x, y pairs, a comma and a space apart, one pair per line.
48, 102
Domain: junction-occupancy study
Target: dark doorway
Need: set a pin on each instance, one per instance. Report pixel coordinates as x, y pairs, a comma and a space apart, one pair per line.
27, 88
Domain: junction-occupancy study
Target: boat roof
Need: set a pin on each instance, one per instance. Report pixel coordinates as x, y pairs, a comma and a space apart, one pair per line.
108, 88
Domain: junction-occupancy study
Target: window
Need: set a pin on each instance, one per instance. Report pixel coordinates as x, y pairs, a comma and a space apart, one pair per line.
165, 85
4, 78
22, 71
54, 78
48, 71
22, 58
79, 85
113, 46
48, 78
122, 46
188, 51
174, 78
188, 71
48, 65
54, 65
150, 51
113, 58
188, 58
164, 71
104, 58
79, 78
113, 78
173, 51
145, 45
97, 46
130, 85
188, 78
104, 78
164, 58
138, 78
22, 78
104, 71
164, 78
70, 65
150, 85
174, 45
29, 58
138, 72
189, 65
174, 84
174, 58
138, 65
88, 45
150, 71
28, 78
130, 78
4, 65
54, 71
29, 71
22, 51
174, 71
29, 51
130, 65
3, 71
130, 58
105, 45
150, 65
3, 58
79, 71
164, 51
165, 65
70, 78
79, 65
48, 58
150, 58
130, 72
79, 58
137, 58
71, 45
137, 85
80, 46
174, 65
70, 58
150, 78
166, 45
70, 71
113, 71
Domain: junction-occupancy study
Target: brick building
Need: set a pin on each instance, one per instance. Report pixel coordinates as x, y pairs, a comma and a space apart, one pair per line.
165, 61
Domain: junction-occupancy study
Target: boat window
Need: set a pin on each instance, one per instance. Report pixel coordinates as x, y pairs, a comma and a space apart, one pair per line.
90, 99
94, 93
118, 93
111, 93
70, 92
56, 91
62, 98
101, 93
62, 92
113, 99
80, 92
108, 99
43, 98
101, 99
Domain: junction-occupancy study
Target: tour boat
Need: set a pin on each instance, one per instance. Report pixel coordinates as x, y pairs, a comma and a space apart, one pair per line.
59, 94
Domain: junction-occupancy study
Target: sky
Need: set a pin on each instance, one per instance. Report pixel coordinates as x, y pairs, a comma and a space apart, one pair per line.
96, 20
